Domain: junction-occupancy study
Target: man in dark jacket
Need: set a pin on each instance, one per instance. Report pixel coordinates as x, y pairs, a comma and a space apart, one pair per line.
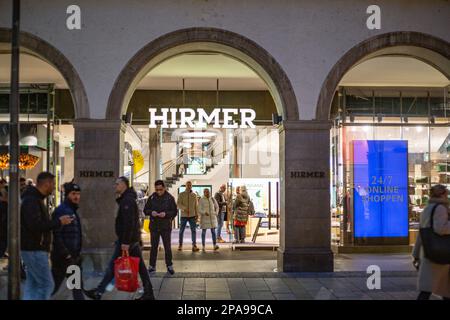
36, 227
128, 233
162, 209
67, 239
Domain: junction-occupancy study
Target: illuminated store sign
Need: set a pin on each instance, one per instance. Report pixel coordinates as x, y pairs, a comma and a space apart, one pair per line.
380, 179
195, 118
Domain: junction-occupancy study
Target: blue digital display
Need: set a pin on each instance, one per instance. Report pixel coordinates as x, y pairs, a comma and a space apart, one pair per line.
380, 177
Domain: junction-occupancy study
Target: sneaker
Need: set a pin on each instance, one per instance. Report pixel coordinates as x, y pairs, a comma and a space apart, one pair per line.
203, 249
170, 270
93, 294
151, 269
195, 248
216, 247
220, 240
180, 248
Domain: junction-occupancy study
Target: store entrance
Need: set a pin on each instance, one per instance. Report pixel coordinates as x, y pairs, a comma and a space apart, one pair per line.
207, 119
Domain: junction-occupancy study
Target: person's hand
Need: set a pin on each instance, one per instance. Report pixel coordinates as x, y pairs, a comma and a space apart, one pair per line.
162, 214
125, 247
416, 263
65, 220
155, 214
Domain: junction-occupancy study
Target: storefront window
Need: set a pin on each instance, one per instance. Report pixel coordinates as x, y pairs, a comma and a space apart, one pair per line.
366, 148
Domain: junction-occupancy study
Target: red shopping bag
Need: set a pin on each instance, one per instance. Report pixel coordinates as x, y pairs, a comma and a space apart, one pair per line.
126, 270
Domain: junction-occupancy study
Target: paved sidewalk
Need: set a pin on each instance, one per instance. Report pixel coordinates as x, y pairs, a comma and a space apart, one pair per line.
250, 275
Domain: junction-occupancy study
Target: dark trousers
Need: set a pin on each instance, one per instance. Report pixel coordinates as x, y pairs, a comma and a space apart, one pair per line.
166, 235
59, 272
134, 251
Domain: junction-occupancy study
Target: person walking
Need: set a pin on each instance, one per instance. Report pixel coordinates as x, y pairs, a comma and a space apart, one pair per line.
67, 239
187, 203
162, 209
36, 228
208, 210
433, 277
128, 234
221, 200
243, 208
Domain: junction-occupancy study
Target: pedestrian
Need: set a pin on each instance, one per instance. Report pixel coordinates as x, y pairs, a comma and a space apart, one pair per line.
3, 221
67, 239
162, 209
243, 208
36, 228
208, 210
22, 185
187, 203
128, 234
221, 200
433, 277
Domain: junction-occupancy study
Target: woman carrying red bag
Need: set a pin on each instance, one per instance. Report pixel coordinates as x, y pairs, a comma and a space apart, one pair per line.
127, 250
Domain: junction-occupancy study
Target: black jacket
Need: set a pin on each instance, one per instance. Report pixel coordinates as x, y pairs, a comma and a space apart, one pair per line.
128, 229
67, 239
36, 225
166, 203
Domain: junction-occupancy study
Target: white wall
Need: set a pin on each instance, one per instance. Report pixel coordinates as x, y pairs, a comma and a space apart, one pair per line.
306, 37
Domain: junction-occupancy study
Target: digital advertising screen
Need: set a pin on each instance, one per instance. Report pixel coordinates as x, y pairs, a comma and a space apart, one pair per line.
380, 177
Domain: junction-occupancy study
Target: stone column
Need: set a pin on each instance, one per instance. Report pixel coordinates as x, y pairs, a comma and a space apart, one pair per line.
305, 197
98, 161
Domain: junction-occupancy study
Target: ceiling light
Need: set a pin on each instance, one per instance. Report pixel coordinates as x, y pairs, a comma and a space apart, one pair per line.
199, 134
419, 129
196, 140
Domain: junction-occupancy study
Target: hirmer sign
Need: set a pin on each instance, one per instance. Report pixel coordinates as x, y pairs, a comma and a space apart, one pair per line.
190, 118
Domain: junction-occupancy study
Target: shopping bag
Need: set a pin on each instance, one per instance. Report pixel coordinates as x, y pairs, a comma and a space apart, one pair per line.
146, 225
436, 247
126, 271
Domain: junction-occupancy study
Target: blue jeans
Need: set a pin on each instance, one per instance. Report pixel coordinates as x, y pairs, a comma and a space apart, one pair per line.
39, 282
192, 225
213, 234
220, 220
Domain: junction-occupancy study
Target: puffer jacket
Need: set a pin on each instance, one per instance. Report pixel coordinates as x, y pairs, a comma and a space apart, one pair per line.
243, 208
128, 228
187, 203
208, 210
67, 239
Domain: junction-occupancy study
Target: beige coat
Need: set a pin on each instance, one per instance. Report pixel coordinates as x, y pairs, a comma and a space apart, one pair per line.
208, 210
434, 277
187, 203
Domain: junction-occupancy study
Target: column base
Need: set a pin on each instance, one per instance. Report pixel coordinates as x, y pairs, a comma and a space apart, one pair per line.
305, 260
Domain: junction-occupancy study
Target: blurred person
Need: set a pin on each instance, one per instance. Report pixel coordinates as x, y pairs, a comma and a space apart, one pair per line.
243, 209
36, 228
187, 202
433, 277
208, 210
162, 209
67, 239
222, 201
128, 234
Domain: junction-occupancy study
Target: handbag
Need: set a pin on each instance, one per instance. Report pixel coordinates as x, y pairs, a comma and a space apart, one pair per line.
436, 247
126, 270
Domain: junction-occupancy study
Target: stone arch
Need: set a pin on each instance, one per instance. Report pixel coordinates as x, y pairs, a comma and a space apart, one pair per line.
203, 39
54, 57
427, 48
